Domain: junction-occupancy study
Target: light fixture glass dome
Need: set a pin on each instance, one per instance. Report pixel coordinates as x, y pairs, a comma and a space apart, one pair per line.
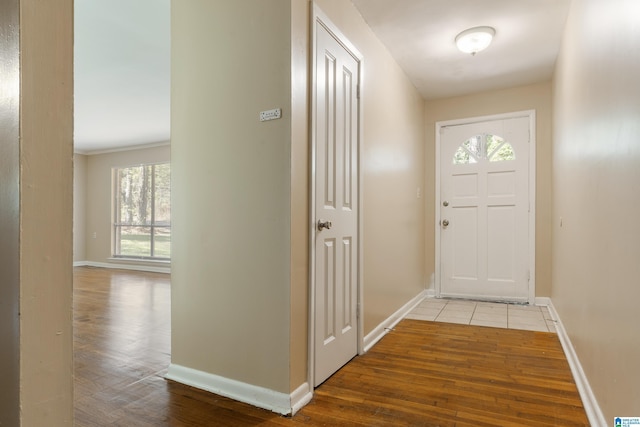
475, 39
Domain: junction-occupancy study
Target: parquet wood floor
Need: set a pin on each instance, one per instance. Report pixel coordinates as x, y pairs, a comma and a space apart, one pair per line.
420, 374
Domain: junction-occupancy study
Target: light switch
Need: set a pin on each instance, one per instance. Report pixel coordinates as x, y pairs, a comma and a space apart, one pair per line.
270, 114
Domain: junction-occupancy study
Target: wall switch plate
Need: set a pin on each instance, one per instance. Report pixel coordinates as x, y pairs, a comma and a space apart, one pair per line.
270, 114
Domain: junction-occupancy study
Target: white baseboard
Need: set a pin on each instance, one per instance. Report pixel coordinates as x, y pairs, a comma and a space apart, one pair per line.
300, 397
381, 330
591, 407
543, 301
264, 398
136, 267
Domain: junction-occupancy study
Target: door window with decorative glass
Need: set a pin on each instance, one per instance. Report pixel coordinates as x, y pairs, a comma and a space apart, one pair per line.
142, 212
483, 147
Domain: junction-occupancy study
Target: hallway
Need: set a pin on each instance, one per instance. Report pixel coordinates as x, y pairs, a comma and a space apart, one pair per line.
422, 373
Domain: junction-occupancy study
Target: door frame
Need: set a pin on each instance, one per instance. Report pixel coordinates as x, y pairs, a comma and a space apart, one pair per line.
319, 18
531, 115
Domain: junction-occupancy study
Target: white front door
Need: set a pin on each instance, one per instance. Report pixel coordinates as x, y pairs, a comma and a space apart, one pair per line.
336, 205
484, 210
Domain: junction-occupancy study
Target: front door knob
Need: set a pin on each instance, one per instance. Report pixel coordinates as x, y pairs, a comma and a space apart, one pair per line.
445, 222
324, 224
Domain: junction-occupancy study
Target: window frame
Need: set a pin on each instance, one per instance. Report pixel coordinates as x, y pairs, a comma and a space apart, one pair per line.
117, 226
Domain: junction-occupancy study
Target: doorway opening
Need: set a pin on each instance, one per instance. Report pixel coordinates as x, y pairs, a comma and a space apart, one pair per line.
122, 222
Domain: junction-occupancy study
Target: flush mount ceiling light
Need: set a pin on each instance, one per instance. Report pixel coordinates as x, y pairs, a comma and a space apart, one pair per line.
475, 39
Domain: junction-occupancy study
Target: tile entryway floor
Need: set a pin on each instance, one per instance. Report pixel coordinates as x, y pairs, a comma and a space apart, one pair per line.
498, 315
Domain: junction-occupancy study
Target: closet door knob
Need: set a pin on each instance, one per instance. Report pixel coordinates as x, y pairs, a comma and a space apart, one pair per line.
324, 224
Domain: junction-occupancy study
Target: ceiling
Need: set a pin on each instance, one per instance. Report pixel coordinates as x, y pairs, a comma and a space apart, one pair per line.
420, 34
122, 57
122, 73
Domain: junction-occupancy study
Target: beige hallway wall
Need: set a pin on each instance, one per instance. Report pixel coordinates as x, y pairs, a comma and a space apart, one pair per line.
531, 97
231, 189
299, 252
596, 197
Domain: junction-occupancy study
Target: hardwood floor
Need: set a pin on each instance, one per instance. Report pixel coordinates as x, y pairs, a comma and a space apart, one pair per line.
121, 342
420, 374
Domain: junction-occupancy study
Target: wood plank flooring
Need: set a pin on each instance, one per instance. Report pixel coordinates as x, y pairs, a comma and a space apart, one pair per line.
420, 374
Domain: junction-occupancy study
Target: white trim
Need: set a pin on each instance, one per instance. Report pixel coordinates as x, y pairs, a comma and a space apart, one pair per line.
432, 283
300, 397
437, 262
532, 204
254, 395
543, 301
122, 148
135, 267
319, 18
360, 184
383, 328
311, 354
591, 407
531, 114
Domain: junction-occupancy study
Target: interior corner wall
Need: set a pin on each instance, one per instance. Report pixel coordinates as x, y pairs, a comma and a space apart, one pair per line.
79, 207
392, 163
98, 205
596, 198
299, 320
231, 184
530, 97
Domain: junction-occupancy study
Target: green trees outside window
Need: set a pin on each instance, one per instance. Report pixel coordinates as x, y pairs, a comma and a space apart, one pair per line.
490, 147
142, 212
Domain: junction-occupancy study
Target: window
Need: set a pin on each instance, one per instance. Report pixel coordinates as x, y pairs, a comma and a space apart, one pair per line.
491, 147
142, 212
